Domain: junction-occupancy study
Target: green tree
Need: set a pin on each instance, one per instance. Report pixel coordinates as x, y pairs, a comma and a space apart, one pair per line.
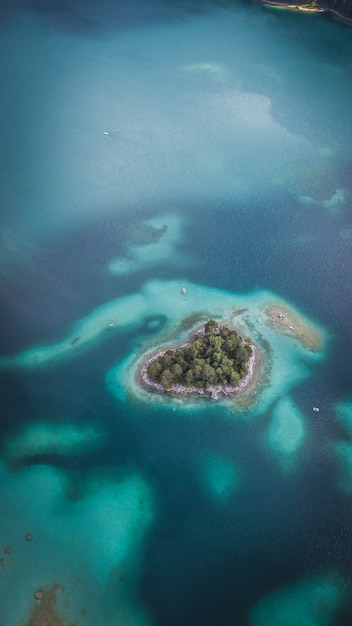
234, 378
197, 372
167, 379
177, 370
208, 373
224, 332
219, 355
154, 370
211, 327
188, 378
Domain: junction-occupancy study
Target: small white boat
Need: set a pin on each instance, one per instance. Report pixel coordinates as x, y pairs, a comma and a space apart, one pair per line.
316, 409
184, 290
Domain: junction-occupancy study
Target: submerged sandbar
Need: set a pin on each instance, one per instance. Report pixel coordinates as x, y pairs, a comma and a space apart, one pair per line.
286, 321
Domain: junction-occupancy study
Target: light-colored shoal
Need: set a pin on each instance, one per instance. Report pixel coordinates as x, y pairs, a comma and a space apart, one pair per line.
288, 322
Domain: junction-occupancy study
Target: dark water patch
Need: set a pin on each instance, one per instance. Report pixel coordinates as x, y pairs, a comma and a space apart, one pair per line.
64, 17
279, 247
208, 563
70, 463
332, 378
153, 323
14, 399
231, 566
87, 18
325, 41
93, 18
73, 388
315, 65
320, 391
64, 282
144, 234
7, 13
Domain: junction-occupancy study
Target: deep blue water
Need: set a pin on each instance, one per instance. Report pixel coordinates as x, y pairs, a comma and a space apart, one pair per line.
235, 183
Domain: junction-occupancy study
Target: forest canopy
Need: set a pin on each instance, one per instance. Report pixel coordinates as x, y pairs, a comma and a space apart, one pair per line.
216, 355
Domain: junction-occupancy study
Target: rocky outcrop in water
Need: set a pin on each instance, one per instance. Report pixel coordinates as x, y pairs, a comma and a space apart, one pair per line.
341, 8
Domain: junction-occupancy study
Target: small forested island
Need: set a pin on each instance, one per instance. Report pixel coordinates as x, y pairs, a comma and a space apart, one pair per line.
215, 359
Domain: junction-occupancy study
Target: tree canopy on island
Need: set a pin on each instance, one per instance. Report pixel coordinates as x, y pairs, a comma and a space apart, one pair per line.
216, 355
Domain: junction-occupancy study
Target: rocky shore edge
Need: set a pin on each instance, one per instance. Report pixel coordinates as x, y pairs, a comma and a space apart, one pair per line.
342, 9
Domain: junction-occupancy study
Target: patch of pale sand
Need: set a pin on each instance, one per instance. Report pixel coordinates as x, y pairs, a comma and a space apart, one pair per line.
51, 437
287, 432
290, 322
44, 611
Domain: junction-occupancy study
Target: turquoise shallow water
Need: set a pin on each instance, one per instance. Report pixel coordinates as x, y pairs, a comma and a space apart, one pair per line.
144, 149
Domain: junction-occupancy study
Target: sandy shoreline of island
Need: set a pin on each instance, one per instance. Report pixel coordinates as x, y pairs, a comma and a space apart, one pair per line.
294, 7
306, 8
214, 392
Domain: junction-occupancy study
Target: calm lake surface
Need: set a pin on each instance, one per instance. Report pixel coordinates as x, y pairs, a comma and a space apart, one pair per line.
205, 143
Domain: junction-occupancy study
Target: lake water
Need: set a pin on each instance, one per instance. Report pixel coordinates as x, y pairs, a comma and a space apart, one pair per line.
147, 146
